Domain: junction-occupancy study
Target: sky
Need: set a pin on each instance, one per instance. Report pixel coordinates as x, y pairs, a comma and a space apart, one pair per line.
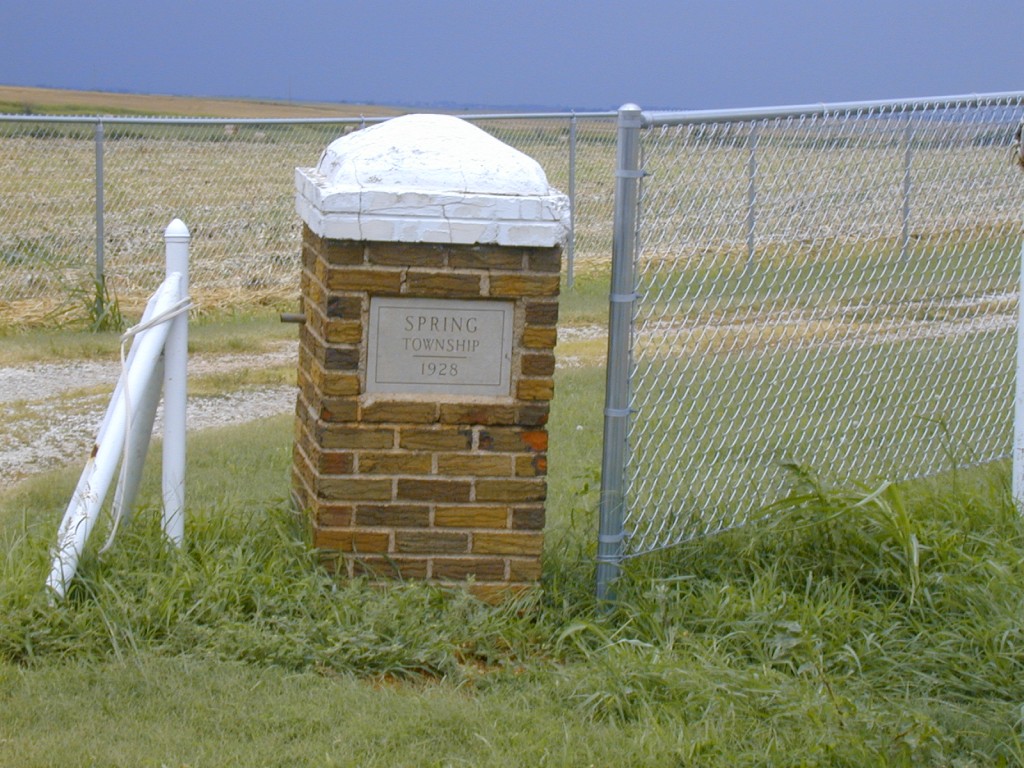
545, 54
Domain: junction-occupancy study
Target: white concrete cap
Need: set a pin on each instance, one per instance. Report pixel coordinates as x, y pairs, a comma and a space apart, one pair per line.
430, 179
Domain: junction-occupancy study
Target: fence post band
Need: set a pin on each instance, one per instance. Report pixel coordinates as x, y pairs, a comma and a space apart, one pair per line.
630, 116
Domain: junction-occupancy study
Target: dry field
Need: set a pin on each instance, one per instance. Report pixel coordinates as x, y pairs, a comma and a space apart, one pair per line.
20, 100
703, 200
866, 232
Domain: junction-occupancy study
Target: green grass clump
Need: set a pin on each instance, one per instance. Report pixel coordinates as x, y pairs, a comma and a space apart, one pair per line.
587, 301
247, 589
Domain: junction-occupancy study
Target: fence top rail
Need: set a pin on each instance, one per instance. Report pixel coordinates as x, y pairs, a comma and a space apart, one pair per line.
361, 120
652, 118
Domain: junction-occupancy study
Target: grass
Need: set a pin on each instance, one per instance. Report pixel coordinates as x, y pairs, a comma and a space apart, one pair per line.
817, 355
851, 627
869, 275
233, 329
880, 399
587, 302
211, 333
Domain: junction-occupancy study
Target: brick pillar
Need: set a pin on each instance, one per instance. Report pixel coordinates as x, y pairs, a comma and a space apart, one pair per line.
431, 259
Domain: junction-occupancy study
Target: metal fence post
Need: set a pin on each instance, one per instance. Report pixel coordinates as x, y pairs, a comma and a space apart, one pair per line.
100, 269
908, 156
1017, 452
620, 318
570, 256
751, 193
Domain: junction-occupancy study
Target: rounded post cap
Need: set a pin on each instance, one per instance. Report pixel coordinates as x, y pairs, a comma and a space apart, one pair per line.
176, 231
630, 116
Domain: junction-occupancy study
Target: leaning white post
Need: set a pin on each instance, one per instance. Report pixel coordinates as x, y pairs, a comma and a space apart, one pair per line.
115, 400
137, 446
1017, 484
176, 239
85, 504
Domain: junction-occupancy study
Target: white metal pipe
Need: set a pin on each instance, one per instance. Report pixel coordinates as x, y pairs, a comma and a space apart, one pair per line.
115, 399
751, 195
570, 254
1017, 471
362, 122
140, 433
650, 117
908, 160
176, 239
82, 512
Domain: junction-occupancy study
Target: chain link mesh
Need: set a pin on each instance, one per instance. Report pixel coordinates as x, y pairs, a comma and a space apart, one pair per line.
232, 183
47, 217
835, 292
585, 170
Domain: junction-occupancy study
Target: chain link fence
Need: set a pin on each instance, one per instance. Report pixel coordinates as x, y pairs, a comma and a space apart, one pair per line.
86, 198
832, 288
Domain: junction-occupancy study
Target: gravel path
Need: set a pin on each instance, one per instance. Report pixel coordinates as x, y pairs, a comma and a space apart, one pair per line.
44, 424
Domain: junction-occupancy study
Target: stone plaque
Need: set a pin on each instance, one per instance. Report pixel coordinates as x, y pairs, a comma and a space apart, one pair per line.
439, 346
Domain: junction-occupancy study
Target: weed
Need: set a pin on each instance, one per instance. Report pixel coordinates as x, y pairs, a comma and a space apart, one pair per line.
861, 528
102, 308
